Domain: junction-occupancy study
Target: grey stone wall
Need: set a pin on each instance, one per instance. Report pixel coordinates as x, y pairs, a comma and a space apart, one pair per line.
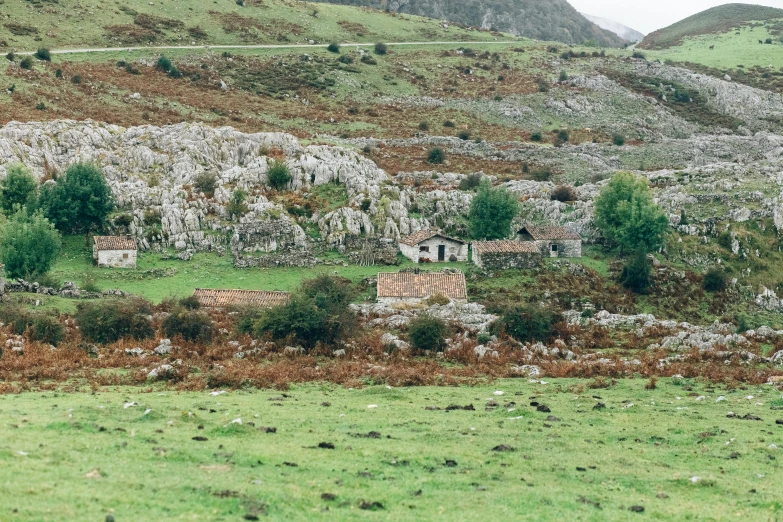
116, 258
384, 249
565, 248
505, 261
453, 248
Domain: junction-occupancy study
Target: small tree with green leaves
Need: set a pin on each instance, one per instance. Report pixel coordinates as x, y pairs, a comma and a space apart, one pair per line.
29, 244
205, 183
491, 212
381, 48
236, 205
18, 189
333, 47
163, 64
80, 200
436, 156
427, 333
278, 175
43, 54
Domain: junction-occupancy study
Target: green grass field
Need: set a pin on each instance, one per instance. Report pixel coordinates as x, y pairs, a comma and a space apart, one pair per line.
161, 455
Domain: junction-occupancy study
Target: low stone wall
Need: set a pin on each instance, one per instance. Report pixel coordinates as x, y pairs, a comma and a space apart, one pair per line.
300, 259
505, 261
384, 250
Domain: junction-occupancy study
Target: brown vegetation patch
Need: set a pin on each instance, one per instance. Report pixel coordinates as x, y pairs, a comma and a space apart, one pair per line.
414, 158
353, 27
156, 23
129, 33
18, 29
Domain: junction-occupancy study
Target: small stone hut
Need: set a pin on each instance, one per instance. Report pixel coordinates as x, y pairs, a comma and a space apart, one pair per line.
414, 287
502, 255
430, 246
553, 241
219, 298
114, 251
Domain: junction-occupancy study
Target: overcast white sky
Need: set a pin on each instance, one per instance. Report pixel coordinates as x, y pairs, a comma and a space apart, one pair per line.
648, 15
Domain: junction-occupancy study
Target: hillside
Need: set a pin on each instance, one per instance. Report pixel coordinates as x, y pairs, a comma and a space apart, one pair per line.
554, 20
718, 20
623, 31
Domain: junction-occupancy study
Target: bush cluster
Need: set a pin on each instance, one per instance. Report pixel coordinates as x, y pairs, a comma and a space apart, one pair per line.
109, 321
44, 327
563, 194
528, 323
427, 333
192, 325
278, 175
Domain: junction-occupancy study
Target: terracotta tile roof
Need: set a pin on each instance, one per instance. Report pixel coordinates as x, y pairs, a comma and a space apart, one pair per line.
423, 235
550, 233
114, 242
219, 298
505, 247
421, 285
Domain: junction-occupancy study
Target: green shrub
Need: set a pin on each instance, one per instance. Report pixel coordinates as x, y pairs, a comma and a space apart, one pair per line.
471, 181
528, 323
563, 136
369, 60
152, 217
437, 299
682, 96
491, 212
424, 126
18, 189
46, 328
381, 48
190, 303
618, 140
537, 137
724, 240
123, 220
715, 280
563, 76
541, 174
10, 57
58, 73
26, 63
236, 205
76, 79
163, 64
278, 175
41, 106
191, 325
427, 333
464, 135
564, 194
333, 47
449, 124
365, 205
639, 55
109, 321
43, 54
89, 283
205, 182
174, 72
346, 59
743, 324
29, 245
436, 156
636, 275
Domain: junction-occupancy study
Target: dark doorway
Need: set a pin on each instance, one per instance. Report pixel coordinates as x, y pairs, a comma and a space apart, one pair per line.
441, 252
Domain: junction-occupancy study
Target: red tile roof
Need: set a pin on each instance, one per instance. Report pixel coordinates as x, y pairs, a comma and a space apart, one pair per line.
505, 247
219, 298
550, 233
422, 284
114, 242
423, 235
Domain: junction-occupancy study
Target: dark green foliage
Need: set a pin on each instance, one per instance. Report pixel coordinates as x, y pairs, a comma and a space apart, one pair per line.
191, 325
174, 72
448, 124
562, 135
163, 64
236, 205
10, 56
636, 275
639, 55
491, 212
190, 303
346, 59
278, 175
537, 137
618, 140
528, 323
627, 215
333, 47
317, 313
683, 218
29, 244
123, 220
436, 156
44, 327
563, 194
41, 106
725, 240
427, 333
369, 60
464, 135
381, 48
18, 189
111, 320
205, 182
715, 280
682, 96
541, 174
43, 54
563, 76
470, 182
152, 217
76, 79
80, 200
365, 206
26, 63
423, 126
743, 324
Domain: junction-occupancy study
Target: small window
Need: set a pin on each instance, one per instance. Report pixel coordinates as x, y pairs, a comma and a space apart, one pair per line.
424, 249
125, 256
554, 248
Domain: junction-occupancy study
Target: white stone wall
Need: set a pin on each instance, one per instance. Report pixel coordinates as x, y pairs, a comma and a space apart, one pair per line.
455, 248
565, 248
116, 258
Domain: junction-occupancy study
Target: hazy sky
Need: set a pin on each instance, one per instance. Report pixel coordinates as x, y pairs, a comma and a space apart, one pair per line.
648, 15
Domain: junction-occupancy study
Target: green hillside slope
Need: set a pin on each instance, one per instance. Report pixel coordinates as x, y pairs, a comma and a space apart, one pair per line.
554, 20
718, 20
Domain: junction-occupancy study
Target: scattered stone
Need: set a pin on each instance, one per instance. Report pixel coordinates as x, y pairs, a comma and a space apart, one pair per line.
543, 408
503, 447
636, 509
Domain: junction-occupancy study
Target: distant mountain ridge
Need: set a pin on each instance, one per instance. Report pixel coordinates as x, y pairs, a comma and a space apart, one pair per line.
623, 31
717, 20
554, 20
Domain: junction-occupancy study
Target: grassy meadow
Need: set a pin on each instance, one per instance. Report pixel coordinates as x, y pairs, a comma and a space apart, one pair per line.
380, 453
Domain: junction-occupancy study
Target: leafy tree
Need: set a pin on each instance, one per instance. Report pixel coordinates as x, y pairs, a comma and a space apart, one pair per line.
715, 280
427, 333
333, 47
278, 175
636, 273
618, 140
26, 63
627, 215
110, 321
43, 54
436, 156
236, 205
491, 212
17, 190
381, 48
528, 323
80, 201
205, 182
163, 64
192, 325
28, 245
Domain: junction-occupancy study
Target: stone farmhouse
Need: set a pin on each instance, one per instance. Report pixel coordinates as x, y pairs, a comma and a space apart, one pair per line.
505, 254
114, 251
430, 246
209, 298
410, 287
552, 241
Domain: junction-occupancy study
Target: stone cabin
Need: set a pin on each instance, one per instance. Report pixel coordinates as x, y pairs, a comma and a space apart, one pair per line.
430, 246
209, 298
552, 241
505, 254
413, 287
114, 251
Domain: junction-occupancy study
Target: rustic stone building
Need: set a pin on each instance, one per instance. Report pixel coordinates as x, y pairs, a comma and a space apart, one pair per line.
415, 287
219, 298
430, 246
502, 255
114, 251
553, 241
